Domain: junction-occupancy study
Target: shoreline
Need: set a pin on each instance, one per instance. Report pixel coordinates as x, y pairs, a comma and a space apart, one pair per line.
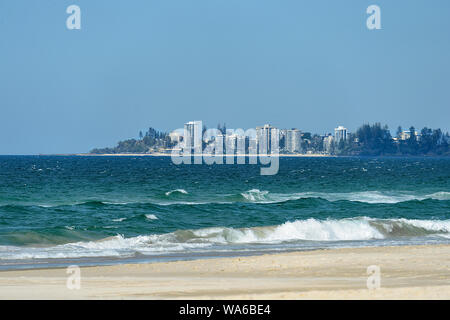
193, 155
313, 155
407, 272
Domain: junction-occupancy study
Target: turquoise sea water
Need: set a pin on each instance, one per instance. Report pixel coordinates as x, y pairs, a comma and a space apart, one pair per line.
56, 211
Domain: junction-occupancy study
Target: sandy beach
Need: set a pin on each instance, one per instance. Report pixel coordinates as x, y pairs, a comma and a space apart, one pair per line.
410, 272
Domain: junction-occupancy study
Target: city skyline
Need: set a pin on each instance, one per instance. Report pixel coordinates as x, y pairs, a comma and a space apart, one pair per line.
370, 139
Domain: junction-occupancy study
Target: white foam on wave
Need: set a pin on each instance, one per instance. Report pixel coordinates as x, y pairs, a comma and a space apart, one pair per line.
372, 197
256, 195
116, 246
442, 195
308, 230
182, 191
351, 229
442, 226
151, 217
266, 197
115, 203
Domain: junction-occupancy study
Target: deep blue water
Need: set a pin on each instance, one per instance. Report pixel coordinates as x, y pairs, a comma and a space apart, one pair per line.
57, 210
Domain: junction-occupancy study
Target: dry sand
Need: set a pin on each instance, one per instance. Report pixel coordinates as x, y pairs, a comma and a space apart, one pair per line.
413, 272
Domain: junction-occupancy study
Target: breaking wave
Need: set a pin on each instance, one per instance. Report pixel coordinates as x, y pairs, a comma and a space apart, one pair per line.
298, 231
176, 191
258, 196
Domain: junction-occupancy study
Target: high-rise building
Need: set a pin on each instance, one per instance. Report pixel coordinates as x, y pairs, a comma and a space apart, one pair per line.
327, 143
193, 136
293, 140
340, 133
231, 143
252, 146
241, 144
268, 139
283, 133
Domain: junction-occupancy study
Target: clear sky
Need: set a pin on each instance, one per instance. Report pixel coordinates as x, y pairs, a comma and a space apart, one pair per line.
307, 64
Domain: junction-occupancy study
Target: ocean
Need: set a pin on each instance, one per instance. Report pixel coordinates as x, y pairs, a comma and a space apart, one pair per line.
63, 210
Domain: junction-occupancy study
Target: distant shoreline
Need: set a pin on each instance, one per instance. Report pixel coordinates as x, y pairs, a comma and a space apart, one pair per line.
313, 155
201, 155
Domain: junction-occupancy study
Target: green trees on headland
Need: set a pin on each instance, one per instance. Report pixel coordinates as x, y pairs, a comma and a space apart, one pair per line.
376, 140
152, 139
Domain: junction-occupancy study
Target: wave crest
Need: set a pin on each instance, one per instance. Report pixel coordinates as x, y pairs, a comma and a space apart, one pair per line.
255, 195
176, 191
298, 231
258, 196
371, 197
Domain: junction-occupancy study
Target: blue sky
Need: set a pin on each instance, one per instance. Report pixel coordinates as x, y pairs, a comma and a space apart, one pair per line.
134, 64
